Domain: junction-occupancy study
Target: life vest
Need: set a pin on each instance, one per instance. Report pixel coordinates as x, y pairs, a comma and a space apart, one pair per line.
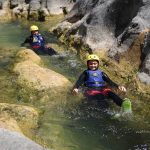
37, 41
94, 78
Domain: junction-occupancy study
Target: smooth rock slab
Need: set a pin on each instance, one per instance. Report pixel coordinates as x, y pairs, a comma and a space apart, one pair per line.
14, 141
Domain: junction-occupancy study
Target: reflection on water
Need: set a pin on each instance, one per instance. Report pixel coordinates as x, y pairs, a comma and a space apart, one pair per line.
73, 125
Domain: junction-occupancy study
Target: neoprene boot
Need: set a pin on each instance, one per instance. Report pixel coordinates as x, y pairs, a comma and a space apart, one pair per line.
126, 105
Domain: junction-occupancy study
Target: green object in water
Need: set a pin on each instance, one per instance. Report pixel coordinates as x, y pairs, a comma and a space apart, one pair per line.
126, 105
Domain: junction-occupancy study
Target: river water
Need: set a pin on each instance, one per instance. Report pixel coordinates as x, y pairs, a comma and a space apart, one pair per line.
71, 126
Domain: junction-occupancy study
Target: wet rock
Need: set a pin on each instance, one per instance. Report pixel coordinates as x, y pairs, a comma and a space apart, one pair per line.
15, 141
40, 78
28, 54
36, 78
24, 115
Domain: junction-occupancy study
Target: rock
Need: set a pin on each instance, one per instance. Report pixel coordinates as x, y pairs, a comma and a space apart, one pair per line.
33, 9
34, 5
28, 54
39, 78
5, 12
24, 115
55, 6
15, 141
145, 78
20, 11
144, 74
33, 78
6, 122
106, 23
109, 25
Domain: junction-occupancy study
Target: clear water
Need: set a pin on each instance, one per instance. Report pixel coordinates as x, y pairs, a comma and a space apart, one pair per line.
72, 126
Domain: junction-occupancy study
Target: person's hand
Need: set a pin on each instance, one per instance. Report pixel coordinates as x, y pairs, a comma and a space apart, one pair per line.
122, 88
75, 91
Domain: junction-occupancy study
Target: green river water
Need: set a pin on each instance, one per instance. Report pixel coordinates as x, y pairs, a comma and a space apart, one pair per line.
67, 126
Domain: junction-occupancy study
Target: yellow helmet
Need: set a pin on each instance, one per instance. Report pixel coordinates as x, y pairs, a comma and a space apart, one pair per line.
34, 28
92, 57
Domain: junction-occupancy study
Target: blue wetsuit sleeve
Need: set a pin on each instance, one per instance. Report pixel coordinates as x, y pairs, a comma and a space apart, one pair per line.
108, 80
81, 80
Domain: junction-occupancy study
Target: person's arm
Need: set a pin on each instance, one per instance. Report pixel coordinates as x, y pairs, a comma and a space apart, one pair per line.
79, 82
108, 80
111, 83
27, 40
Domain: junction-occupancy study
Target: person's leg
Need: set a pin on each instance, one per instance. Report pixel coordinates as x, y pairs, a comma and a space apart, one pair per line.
102, 101
38, 51
115, 98
98, 99
125, 103
51, 51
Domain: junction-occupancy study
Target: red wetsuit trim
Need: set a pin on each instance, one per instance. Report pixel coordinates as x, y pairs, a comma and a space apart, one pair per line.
95, 92
36, 46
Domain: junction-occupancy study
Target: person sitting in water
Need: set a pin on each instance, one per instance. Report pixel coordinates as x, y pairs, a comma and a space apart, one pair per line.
94, 82
37, 42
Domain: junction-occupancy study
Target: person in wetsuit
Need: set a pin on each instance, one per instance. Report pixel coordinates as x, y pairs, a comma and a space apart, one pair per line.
94, 81
37, 42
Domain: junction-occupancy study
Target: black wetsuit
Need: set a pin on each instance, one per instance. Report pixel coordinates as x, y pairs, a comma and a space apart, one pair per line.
42, 49
99, 97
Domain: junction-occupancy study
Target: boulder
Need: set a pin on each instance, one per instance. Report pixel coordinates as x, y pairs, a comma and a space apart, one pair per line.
112, 26
28, 55
6, 122
145, 78
5, 14
39, 78
16, 141
24, 115
35, 80
104, 24
34, 9
56, 6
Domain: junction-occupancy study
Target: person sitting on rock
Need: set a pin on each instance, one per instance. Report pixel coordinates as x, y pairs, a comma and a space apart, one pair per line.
37, 42
93, 81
